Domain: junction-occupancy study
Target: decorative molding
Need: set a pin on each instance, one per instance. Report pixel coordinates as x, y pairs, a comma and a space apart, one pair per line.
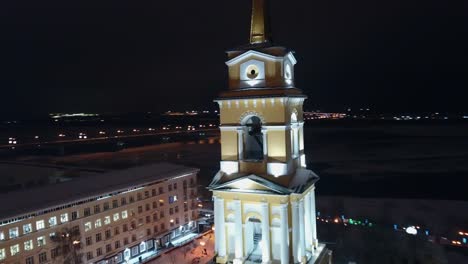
246, 114
251, 53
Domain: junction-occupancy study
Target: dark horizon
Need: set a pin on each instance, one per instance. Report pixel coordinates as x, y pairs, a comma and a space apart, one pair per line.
393, 56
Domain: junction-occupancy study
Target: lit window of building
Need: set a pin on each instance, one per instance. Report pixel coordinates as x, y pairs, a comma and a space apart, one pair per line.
124, 214
87, 226
2, 236
14, 232
41, 241
53, 221
116, 217
64, 218
27, 228
14, 249
28, 245
107, 220
43, 257
97, 223
40, 225
2, 254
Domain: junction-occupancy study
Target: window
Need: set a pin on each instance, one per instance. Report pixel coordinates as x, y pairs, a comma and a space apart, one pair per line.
132, 225
172, 199
132, 199
148, 219
146, 194
155, 217
169, 187
116, 216
153, 192
64, 218
2, 254
148, 232
147, 207
124, 214
161, 190
139, 196
108, 248
155, 205
133, 238
87, 226
43, 257
14, 232
176, 209
125, 228
2, 236
155, 229
53, 221
185, 184
30, 260
41, 241
171, 211
74, 215
99, 252
116, 230
97, 209
117, 244
106, 206
115, 204
108, 234
28, 245
175, 186
177, 220
123, 201
27, 228
89, 241
107, 220
161, 214
87, 212
163, 226
126, 241
14, 249
140, 221
253, 139
97, 223
98, 237
140, 209
55, 252
161, 202
89, 255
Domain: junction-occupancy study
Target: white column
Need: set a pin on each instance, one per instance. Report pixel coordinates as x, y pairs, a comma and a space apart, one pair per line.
239, 230
220, 228
296, 141
216, 221
308, 223
284, 234
313, 218
302, 230
295, 230
266, 243
265, 143
240, 143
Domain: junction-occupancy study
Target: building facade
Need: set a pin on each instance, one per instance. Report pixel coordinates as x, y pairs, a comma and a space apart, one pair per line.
117, 217
264, 196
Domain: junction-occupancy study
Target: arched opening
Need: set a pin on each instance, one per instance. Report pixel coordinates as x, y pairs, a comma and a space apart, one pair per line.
253, 139
254, 240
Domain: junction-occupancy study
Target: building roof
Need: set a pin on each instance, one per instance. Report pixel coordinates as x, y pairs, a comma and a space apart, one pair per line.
18, 203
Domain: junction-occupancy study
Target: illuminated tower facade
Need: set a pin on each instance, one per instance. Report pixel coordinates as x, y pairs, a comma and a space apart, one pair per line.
264, 196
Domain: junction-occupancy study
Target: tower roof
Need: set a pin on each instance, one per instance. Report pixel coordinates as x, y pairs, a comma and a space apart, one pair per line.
259, 26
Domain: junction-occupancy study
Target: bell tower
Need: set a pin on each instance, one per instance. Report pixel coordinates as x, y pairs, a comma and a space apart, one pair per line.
264, 196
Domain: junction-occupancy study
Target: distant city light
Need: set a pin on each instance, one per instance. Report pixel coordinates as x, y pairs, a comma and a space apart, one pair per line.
411, 230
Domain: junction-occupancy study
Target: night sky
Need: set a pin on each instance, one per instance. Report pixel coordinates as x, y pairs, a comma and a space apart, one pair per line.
130, 56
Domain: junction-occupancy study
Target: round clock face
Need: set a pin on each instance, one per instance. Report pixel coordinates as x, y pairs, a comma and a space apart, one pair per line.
252, 71
287, 72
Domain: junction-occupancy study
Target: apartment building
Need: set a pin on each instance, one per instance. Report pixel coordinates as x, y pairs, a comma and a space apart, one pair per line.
106, 218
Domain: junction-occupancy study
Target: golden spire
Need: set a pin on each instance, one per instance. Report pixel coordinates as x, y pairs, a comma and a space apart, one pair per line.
258, 27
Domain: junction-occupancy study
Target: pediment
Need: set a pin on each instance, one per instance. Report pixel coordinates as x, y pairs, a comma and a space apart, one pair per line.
251, 183
253, 54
